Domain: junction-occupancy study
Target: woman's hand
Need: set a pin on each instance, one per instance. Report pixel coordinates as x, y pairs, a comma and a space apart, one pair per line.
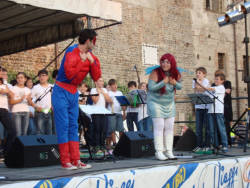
166, 80
172, 81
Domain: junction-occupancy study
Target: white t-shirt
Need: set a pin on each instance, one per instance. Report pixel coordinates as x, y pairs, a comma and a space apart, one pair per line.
4, 98
220, 93
40, 91
101, 101
18, 93
115, 107
204, 83
6, 83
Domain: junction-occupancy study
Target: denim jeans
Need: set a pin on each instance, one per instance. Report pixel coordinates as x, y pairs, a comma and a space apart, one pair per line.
217, 125
202, 121
32, 127
21, 122
132, 117
145, 124
43, 123
115, 123
1, 131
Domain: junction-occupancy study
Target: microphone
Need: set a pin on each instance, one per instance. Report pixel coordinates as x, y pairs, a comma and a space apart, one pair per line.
90, 95
167, 73
195, 79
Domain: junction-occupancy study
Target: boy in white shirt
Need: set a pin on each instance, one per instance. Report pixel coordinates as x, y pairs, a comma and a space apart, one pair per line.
201, 111
115, 122
41, 94
216, 114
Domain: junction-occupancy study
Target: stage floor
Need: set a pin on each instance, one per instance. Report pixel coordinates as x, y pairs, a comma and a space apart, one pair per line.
13, 175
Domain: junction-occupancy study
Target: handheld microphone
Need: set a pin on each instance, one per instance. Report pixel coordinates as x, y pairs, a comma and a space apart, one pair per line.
167, 73
90, 95
195, 79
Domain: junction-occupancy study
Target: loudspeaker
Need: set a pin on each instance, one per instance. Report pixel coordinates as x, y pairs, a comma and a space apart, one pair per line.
135, 144
187, 142
33, 151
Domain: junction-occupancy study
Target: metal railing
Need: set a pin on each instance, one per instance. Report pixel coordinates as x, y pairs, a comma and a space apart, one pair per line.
189, 101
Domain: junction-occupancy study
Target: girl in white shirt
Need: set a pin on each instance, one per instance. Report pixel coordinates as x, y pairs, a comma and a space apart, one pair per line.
20, 105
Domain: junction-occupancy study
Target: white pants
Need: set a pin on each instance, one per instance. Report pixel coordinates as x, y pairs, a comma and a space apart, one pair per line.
163, 127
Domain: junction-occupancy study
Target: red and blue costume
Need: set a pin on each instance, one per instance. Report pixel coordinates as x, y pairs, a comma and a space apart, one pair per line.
65, 101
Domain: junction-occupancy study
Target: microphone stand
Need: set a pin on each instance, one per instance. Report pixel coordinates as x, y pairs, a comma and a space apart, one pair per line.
43, 95
215, 122
143, 104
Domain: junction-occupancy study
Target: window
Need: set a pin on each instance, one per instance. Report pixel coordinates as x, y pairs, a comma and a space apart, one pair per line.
208, 4
221, 59
149, 54
245, 66
216, 5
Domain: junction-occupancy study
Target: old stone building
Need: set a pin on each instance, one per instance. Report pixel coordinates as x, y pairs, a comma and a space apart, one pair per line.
186, 28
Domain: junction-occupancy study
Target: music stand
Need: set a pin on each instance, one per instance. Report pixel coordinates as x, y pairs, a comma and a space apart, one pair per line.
200, 98
142, 95
94, 111
123, 101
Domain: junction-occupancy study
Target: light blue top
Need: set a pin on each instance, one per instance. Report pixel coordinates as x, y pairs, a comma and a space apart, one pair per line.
161, 105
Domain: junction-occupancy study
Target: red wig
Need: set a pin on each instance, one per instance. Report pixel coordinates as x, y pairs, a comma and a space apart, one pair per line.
173, 72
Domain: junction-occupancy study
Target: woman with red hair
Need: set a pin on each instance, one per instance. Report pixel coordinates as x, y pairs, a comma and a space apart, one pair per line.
162, 85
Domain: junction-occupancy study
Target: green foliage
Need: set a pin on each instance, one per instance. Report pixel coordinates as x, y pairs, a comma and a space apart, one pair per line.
123, 89
91, 84
12, 76
89, 81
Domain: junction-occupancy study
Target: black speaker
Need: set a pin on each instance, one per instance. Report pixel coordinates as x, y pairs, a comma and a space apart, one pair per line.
135, 144
187, 142
33, 151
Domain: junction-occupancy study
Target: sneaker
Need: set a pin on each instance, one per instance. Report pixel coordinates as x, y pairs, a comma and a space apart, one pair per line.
224, 149
199, 151
207, 151
69, 166
80, 165
197, 148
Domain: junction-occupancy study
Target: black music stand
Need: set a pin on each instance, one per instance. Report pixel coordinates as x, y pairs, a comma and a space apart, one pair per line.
95, 111
200, 98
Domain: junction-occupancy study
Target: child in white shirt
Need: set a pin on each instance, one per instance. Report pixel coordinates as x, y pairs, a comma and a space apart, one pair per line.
20, 106
216, 113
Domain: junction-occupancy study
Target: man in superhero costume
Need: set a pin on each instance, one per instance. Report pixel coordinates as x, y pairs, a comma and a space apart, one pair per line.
77, 62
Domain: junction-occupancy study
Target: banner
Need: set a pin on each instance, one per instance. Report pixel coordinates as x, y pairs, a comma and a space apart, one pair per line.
226, 173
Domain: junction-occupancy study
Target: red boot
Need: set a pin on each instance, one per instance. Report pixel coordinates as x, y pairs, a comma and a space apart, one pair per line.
64, 157
75, 155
